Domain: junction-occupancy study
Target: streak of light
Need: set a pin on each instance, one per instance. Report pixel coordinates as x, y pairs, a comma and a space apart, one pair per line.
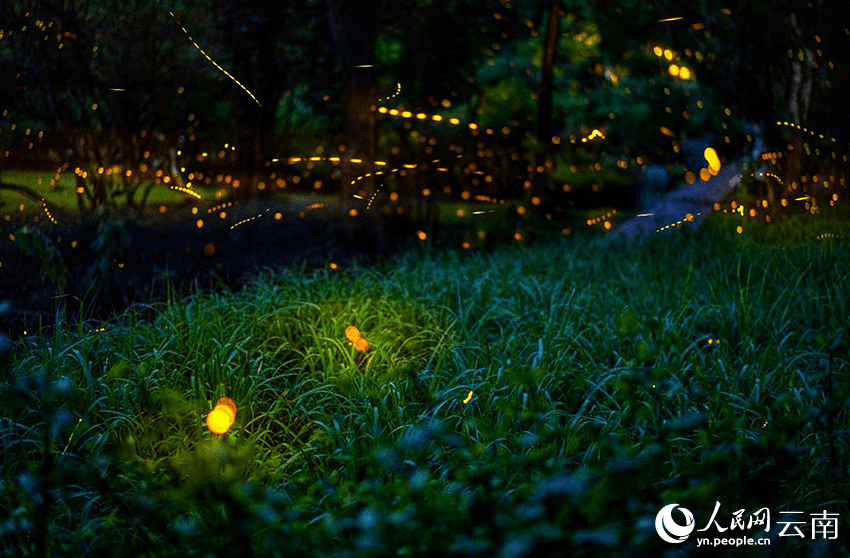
249, 219
214, 63
670, 19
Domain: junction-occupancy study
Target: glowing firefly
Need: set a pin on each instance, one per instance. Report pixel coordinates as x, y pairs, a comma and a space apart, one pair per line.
468, 398
222, 417
250, 218
214, 63
71, 436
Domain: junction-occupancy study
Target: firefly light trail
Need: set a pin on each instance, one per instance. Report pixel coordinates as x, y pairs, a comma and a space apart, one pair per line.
214, 63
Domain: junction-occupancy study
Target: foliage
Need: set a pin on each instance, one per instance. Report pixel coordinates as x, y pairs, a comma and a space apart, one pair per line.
595, 401
33, 241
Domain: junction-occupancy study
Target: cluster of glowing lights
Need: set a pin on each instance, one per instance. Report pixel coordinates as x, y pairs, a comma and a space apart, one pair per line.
713, 160
222, 417
688, 218
354, 338
593, 134
681, 72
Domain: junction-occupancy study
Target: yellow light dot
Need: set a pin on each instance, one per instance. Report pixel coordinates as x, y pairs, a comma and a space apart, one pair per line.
673, 70
712, 159
218, 421
200, 223
421, 235
740, 229
361, 344
352, 333
454, 121
406, 114
658, 51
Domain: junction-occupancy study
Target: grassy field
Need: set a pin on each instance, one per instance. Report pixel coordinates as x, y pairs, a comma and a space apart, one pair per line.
529, 401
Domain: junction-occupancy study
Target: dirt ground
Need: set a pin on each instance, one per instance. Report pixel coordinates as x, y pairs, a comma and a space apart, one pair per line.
172, 250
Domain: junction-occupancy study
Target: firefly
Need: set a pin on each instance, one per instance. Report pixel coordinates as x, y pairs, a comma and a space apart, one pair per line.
221, 418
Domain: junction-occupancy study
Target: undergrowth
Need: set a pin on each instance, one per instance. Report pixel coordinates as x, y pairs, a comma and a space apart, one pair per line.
527, 401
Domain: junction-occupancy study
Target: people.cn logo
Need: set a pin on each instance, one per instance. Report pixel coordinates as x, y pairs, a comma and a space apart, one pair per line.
667, 527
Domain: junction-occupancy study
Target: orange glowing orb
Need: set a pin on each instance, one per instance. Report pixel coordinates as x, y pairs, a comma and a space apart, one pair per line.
352, 333
221, 418
361, 344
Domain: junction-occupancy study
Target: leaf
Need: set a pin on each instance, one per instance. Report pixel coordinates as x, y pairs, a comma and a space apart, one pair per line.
118, 370
628, 324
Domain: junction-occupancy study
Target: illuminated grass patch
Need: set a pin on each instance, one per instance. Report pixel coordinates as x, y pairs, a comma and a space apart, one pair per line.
694, 369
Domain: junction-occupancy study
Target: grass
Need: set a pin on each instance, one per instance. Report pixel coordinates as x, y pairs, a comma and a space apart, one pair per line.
62, 195
542, 400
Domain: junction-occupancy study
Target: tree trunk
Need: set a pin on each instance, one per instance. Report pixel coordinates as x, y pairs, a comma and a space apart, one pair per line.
544, 98
353, 24
544, 81
799, 98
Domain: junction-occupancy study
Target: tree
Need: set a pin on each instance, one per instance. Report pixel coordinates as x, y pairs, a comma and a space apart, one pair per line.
104, 86
767, 63
353, 28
